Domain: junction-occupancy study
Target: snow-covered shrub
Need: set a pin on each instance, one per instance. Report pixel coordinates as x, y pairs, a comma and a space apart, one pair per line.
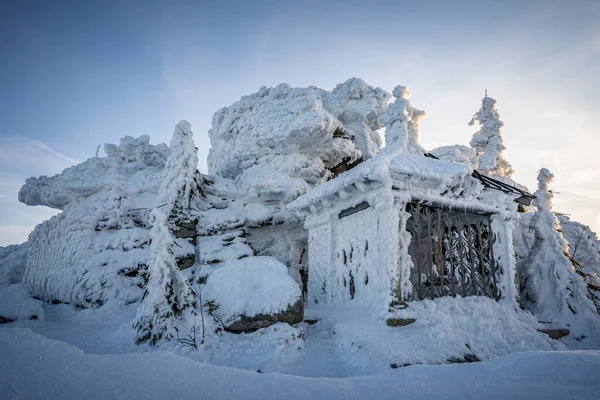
169, 304
550, 286
12, 263
488, 142
253, 287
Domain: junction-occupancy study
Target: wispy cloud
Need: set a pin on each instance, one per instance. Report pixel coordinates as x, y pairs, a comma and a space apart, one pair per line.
43, 146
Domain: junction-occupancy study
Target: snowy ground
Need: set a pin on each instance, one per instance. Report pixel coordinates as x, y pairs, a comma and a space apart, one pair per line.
29, 370
349, 353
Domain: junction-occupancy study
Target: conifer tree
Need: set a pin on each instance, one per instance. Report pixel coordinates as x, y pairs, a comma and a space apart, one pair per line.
488, 142
169, 304
550, 286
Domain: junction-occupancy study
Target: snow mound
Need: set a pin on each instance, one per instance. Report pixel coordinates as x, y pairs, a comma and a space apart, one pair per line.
12, 263
446, 330
251, 286
16, 303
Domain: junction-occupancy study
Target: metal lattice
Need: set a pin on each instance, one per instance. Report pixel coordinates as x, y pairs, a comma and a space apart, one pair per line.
452, 253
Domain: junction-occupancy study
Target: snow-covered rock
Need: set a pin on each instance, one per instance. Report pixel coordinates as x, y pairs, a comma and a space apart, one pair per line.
253, 293
132, 158
280, 142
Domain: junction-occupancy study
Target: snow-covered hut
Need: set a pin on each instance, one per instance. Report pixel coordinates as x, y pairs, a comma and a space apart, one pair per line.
403, 226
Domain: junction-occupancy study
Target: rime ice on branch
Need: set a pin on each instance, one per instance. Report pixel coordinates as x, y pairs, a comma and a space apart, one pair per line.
488, 142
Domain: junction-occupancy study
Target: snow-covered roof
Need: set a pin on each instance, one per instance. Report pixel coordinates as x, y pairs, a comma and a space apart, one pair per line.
417, 170
428, 168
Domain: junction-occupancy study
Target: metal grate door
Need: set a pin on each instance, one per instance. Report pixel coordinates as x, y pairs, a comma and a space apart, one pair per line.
452, 253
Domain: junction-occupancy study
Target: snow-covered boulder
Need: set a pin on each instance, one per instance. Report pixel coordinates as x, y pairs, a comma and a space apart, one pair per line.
98, 248
133, 156
280, 142
253, 293
16, 303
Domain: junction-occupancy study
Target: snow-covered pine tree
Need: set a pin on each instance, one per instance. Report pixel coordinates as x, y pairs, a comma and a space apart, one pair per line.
550, 287
488, 142
169, 304
402, 121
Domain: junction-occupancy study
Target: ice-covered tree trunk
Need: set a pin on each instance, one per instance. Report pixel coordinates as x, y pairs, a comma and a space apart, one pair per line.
169, 304
402, 121
551, 288
488, 142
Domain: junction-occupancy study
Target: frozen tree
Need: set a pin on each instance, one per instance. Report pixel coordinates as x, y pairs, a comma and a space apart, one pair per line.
487, 141
550, 286
584, 249
169, 303
402, 121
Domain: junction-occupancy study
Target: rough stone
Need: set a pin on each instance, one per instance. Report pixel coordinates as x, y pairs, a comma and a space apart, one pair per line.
399, 321
186, 261
5, 320
244, 324
555, 333
185, 230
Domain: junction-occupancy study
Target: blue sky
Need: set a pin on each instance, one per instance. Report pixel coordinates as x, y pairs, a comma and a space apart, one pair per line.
77, 74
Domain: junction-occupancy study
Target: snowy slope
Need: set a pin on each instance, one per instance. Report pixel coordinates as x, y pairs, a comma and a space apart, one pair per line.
29, 370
